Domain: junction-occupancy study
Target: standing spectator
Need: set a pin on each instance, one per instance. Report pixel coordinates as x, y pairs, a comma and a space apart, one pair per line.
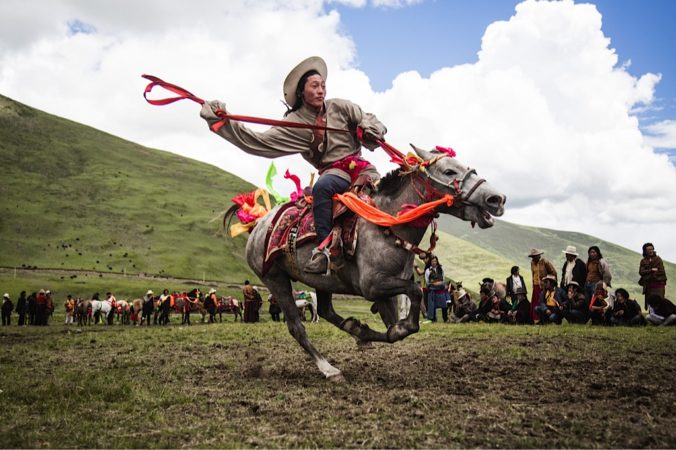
113, 305
41, 308
210, 302
601, 304
653, 277
661, 311
597, 270
33, 309
540, 267
577, 309
148, 307
7, 307
552, 302
69, 304
625, 310
49, 310
515, 285
574, 269
22, 308
249, 302
437, 292
274, 310
165, 307
421, 274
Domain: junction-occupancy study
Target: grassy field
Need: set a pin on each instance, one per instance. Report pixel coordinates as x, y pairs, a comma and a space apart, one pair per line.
250, 385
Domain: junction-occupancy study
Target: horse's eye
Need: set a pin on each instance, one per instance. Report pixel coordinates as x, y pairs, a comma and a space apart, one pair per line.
449, 172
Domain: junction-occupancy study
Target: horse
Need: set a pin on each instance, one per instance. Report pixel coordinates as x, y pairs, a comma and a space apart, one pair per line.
229, 305
123, 311
101, 308
136, 308
82, 311
307, 300
195, 302
382, 265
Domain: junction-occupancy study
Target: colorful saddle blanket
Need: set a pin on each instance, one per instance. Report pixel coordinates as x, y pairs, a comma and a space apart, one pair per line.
293, 225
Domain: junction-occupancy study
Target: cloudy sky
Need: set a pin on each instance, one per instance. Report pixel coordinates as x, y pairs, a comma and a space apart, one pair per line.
567, 108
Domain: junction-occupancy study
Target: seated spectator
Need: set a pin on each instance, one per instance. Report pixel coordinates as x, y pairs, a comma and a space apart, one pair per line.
519, 312
464, 309
661, 311
486, 294
553, 302
577, 310
500, 308
600, 305
626, 311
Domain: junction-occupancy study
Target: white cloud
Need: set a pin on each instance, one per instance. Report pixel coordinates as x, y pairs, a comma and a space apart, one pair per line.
545, 114
662, 134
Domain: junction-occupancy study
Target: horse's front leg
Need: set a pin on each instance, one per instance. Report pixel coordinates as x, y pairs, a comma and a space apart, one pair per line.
390, 287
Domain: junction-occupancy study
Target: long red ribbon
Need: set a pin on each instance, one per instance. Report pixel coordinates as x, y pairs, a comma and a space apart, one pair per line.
396, 156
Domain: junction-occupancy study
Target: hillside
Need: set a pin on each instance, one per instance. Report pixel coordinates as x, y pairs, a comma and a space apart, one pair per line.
510, 244
75, 197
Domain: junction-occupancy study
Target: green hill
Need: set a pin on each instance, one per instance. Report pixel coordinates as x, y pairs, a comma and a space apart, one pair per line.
75, 197
510, 244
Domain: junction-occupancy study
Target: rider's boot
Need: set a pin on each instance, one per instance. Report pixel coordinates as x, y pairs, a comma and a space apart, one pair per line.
318, 262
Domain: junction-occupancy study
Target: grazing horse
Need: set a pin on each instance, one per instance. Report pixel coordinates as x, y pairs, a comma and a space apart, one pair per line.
382, 265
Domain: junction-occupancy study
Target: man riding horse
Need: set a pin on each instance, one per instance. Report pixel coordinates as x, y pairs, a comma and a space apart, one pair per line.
337, 156
381, 265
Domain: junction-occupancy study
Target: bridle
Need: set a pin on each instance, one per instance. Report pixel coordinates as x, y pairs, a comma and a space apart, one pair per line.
456, 185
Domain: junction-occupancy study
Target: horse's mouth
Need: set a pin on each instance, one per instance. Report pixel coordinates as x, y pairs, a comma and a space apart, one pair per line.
484, 219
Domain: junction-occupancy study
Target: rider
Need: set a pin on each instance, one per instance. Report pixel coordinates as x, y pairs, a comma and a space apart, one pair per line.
337, 156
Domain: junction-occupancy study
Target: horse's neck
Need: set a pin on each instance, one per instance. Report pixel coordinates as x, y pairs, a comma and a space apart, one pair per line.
393, 204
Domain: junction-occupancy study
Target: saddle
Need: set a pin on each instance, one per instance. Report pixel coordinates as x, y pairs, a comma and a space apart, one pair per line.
294, 225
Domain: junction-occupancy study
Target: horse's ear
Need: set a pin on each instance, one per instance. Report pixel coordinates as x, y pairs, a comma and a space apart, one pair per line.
424, 154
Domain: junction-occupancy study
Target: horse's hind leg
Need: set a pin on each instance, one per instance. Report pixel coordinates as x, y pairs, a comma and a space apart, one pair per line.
280, 286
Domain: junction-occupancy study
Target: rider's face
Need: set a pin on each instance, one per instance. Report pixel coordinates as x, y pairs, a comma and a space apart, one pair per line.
314, 92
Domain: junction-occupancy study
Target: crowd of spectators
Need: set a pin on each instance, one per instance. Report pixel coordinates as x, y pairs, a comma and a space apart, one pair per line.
581, 293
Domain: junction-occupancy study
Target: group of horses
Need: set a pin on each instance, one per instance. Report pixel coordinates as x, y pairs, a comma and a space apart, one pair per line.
126, 312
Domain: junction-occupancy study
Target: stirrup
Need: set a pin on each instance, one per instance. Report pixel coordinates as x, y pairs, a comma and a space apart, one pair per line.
325, 252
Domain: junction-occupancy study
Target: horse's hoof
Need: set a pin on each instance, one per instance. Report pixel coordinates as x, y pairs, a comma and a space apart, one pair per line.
337, 378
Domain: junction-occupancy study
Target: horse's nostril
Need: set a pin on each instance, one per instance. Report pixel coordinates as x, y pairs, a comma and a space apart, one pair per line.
496, 200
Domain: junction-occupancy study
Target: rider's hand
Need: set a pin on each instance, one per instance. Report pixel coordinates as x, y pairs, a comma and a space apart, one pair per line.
209, 109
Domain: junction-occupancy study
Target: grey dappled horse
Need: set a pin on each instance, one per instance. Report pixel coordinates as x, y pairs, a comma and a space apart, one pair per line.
380, 270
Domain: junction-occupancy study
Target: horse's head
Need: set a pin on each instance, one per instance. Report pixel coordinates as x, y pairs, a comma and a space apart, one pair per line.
475, 200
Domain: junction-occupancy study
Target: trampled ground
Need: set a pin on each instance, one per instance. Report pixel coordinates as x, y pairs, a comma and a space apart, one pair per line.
244, 385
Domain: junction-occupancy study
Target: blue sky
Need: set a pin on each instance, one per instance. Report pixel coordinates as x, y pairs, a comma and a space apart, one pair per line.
575, 139
642, 32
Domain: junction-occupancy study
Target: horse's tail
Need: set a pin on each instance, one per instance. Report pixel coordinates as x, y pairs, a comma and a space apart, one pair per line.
227, 217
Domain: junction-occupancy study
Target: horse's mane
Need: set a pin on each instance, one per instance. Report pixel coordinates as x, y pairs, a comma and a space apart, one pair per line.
390, 183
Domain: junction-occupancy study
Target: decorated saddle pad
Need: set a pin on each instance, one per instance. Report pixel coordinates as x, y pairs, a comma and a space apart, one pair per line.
291, 221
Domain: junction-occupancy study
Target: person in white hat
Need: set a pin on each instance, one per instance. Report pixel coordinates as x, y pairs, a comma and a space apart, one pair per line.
574, 269
148, 307
336, 155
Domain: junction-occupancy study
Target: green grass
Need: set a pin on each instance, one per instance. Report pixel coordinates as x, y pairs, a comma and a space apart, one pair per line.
239, 385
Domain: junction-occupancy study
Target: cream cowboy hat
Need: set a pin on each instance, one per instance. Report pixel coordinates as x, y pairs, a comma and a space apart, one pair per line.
571, 250
549, 277
212, 291
535, 252
292, 79
6, 296
149, 292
